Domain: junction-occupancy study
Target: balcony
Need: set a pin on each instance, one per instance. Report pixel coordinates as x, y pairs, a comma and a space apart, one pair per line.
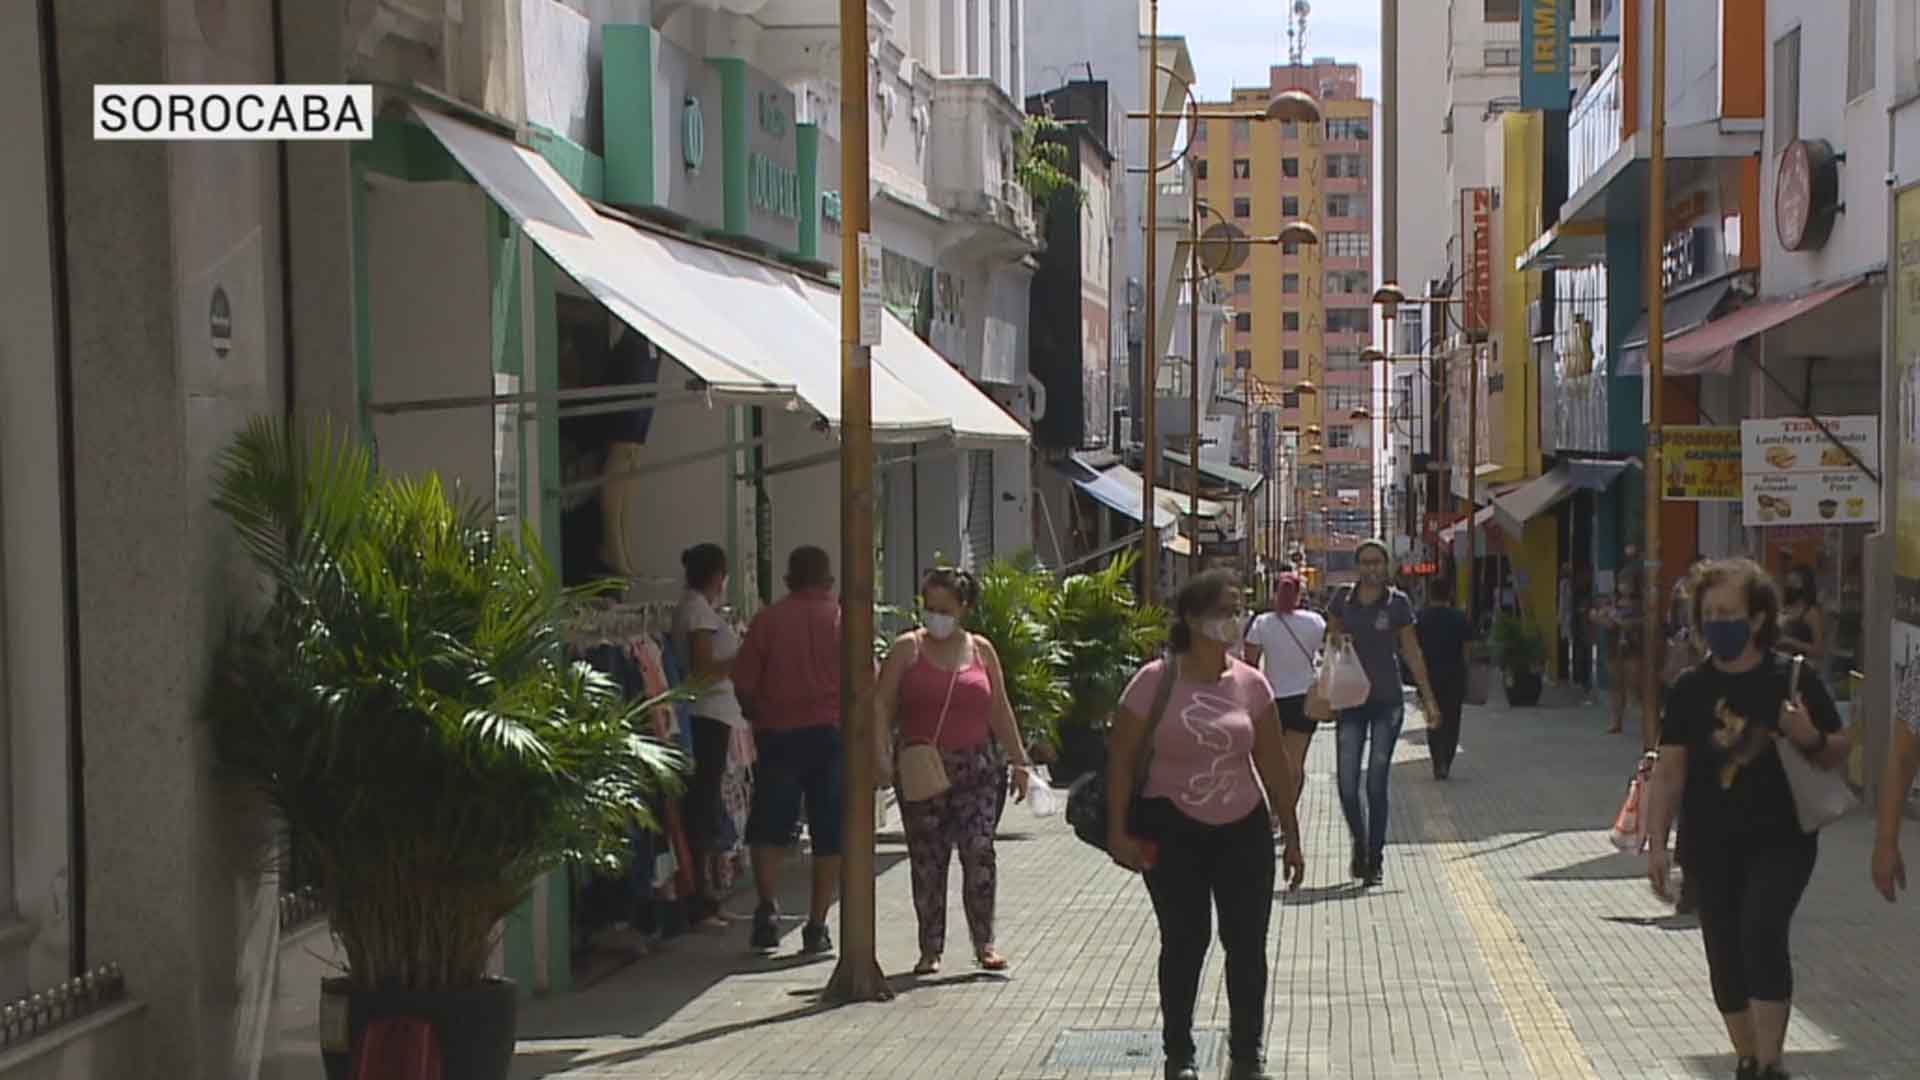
972, 152
1594, 127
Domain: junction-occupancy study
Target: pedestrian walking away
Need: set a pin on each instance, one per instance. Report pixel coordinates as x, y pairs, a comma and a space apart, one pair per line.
1728, 724
1444, 632
788, 677
1378, 619
1217, 786
1285, 645
708, 647
943, 688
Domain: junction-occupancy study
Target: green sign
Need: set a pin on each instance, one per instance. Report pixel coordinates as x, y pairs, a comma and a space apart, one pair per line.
772, 188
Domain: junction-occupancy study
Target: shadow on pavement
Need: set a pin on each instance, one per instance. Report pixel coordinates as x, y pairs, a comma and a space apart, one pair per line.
1614, 867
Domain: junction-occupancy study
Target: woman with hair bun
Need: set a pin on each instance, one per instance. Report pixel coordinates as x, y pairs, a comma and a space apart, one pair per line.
707, 645
943, 687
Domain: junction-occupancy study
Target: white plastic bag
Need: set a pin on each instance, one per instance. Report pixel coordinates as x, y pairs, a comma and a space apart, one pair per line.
1346, 679
1041, 798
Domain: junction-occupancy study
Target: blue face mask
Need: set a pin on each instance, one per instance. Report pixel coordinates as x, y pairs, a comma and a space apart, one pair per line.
1727, 638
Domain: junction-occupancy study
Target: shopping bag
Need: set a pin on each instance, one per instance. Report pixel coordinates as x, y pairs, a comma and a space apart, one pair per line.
1347, 684
1629, 833
1479, 681
1041, 798
1820, 796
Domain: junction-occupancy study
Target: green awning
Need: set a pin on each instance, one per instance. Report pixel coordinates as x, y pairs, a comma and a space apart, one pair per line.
1234, 476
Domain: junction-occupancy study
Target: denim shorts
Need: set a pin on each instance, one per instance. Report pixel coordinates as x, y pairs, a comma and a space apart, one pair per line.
796, 769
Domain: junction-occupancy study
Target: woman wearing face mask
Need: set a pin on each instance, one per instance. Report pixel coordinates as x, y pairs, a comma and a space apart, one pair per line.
1803, 623
1728, 720
1218, 786
943, 686
1379, 620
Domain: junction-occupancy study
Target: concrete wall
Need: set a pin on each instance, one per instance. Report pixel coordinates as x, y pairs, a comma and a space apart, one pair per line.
34, 873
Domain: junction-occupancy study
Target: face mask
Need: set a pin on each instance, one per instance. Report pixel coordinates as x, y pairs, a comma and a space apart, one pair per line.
1224, 631
1728, 638
940, 626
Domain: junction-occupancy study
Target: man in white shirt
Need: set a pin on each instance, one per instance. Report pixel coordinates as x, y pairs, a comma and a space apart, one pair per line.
1903, 764
1285, 644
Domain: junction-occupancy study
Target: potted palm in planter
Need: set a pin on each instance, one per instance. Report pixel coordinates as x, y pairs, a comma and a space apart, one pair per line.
404, 701
1016, 600
1104, 635
1521, 652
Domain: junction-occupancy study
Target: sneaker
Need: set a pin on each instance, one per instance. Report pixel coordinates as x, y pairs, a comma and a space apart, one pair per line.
766, 928
1747, 1069
1182, 1070
815, 940
1358, 867
1249, 1070
1376, 871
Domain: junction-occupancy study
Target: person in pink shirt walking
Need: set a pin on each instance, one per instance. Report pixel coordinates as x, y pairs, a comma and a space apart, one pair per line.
1218, 786
788, 677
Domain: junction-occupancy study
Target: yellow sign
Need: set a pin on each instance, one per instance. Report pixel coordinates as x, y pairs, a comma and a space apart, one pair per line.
1906, 351
1702, 464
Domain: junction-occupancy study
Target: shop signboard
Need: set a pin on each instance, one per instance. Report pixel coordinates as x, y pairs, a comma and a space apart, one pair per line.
1476, 213
506, 457
1794, 473
1546, 54
1906, 374
1096, 318
1702, 464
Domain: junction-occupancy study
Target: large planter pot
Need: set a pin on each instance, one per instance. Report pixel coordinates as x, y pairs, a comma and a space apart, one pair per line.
1082, 750
475, 1025
1524, 689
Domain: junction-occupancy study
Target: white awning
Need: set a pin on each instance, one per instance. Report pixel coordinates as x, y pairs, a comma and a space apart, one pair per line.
978, 420
1513, 509
635, 275
1120, 489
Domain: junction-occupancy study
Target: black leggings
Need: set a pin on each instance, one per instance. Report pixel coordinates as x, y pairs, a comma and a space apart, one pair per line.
1747, 894
704, 804
1201, 868
1443, 731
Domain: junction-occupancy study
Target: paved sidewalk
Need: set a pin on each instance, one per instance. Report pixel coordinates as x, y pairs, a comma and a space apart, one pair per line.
1508, 941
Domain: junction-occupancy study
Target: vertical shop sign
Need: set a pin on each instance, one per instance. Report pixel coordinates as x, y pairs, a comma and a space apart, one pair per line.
1906, 345
872, 293
1476, 225
1545, 52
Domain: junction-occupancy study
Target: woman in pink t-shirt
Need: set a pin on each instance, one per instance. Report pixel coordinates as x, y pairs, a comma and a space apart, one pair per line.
943, 687
1218, 786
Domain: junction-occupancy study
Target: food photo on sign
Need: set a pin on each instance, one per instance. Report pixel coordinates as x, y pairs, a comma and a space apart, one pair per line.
1802, 471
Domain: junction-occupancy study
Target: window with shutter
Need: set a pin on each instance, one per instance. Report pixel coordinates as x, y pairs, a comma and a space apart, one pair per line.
979, 510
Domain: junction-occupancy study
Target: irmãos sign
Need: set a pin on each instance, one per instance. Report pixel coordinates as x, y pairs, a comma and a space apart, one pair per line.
232, 112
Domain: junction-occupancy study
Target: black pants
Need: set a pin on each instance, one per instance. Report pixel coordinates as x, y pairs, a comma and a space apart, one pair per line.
1203, 868
704, 804
1443, 736
1747, 893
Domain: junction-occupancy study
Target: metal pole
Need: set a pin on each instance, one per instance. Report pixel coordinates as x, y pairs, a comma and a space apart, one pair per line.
1149, 355
857, 976
1473, 487
1652, 608
1390, 141
1194, 562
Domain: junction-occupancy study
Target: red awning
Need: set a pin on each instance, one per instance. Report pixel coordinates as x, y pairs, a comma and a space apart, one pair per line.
1709, 349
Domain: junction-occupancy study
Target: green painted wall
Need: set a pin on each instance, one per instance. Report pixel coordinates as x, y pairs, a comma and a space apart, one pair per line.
580, 167
626, 99
807, 163
734, 141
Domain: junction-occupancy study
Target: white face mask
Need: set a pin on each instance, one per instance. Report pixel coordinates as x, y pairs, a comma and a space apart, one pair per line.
940, 626
1224, 631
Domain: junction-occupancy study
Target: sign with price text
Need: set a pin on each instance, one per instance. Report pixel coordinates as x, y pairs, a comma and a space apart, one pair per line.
1702, 464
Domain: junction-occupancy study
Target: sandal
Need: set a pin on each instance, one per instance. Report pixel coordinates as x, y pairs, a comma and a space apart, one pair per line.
991, 960
928, 965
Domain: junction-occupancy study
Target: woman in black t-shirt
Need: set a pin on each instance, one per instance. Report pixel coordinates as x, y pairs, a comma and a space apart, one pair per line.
1720, 767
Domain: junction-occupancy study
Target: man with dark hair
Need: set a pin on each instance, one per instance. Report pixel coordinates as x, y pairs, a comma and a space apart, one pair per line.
788, 677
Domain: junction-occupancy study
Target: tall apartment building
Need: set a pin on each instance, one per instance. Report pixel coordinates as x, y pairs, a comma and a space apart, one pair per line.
1303, 312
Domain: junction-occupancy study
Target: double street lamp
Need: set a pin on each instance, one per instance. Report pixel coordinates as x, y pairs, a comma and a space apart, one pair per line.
1289, 106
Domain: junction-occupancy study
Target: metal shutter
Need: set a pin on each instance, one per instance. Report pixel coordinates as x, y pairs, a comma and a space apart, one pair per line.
979, 539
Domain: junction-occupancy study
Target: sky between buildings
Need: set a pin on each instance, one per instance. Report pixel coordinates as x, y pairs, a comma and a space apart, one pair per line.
1234, 43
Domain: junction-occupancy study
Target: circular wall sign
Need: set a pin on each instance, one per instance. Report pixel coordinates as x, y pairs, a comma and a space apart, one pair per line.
1806, 195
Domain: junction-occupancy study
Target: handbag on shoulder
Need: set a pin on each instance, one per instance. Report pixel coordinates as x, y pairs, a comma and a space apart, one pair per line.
1820, 796
923, 775
1088, 809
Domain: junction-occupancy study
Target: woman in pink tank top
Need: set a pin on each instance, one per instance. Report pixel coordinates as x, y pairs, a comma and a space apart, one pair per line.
942, 686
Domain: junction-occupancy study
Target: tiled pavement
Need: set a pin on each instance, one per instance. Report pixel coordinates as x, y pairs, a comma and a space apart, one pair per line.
1508, 941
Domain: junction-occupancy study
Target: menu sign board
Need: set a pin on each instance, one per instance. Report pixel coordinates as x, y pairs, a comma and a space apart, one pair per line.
1795, 474
1702, 464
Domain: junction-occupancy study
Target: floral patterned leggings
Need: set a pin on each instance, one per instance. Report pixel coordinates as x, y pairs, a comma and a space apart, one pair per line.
963, 818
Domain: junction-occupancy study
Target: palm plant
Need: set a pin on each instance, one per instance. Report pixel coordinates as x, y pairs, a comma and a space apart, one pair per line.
1017, 599
1104, 634
405, 702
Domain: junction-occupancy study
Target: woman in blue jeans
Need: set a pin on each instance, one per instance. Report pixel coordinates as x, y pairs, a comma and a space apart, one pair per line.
1378, 619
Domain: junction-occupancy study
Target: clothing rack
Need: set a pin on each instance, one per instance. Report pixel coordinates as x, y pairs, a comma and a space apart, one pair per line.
597, 624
